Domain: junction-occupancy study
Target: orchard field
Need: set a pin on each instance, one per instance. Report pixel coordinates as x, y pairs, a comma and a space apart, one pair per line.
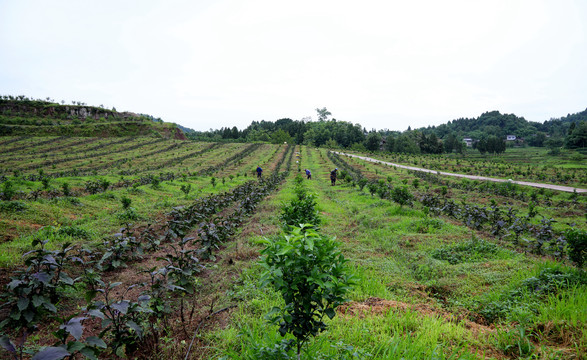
150, 248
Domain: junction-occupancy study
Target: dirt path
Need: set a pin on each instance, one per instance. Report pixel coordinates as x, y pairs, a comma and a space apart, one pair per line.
473, 177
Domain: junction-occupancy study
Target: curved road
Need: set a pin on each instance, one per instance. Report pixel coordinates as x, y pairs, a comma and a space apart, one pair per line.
473, 177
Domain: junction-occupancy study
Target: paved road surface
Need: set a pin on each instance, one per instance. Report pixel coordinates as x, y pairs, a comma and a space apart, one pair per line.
473, 177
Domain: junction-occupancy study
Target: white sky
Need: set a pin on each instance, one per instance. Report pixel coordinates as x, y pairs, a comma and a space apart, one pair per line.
384, 64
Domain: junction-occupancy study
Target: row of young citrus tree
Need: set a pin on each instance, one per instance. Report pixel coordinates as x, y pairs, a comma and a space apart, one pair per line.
43, 295
8, 191
524, 311
537, 237
500, 167
313, 278
124, 157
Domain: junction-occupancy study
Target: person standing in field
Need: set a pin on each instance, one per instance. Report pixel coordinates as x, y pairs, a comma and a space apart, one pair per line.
259, 172
333, 174
308, 174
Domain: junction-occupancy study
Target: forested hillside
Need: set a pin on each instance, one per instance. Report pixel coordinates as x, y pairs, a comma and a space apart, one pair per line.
500, 125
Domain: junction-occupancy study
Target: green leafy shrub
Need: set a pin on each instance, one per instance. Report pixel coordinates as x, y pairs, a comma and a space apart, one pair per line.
7, 191
135, 189
66, 189
425, 226
577, 243
156, 183
362, 182
93, 186
121, 318
75, 232
104, 184
301, 210
312, 276
425, 270
372, 187
129, 214
469, 251
549, 281
46, 181
120, 249
402, 196
33, 292
13, 206
73, 201
526, 295
186, 189
125, 202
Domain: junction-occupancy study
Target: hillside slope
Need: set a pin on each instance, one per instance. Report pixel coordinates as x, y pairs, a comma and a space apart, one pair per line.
25, 117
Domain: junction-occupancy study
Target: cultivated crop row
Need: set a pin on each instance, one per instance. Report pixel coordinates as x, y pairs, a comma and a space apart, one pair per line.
496, 167
539, 238
139, 313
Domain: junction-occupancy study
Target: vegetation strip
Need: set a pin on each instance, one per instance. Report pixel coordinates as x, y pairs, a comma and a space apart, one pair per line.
472, 177
93, 155
504, 224
120, 314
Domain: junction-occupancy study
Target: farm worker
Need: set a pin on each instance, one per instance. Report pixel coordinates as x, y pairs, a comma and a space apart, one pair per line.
333, 174
259, 172
308, 174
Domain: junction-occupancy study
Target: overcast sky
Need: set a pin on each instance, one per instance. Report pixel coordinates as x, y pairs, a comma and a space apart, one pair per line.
383, 64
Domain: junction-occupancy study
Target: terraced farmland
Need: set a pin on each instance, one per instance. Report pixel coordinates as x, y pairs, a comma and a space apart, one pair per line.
149, 248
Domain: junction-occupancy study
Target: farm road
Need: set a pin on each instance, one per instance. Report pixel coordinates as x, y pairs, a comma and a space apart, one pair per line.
473, 177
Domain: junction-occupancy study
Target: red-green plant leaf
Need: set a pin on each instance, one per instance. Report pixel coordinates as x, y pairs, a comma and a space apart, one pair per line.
7, 344
51, 353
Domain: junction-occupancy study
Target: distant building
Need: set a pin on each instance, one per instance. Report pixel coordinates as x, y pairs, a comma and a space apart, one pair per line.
510, 138
468, 141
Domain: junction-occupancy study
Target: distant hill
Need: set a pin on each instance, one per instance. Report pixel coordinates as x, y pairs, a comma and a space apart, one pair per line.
21, 116
186, 130
493, 123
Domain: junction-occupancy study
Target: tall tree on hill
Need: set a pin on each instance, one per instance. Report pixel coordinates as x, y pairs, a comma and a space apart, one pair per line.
323, 114
492, 145
481, 146
373, 141
577, 136
451, 143
235, 133
429, 144
280, 136
554, 143
537, 139
404, 143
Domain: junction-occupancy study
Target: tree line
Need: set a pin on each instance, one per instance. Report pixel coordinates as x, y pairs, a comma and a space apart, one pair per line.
569, 131
489, 131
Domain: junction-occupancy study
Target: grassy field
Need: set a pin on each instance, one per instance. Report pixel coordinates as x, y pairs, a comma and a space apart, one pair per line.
523, 164
446, 275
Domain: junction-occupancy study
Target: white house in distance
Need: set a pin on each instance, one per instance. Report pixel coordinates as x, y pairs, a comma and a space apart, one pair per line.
468, 141
510, 137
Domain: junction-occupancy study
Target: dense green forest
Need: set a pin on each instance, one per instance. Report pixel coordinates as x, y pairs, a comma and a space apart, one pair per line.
500, 125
